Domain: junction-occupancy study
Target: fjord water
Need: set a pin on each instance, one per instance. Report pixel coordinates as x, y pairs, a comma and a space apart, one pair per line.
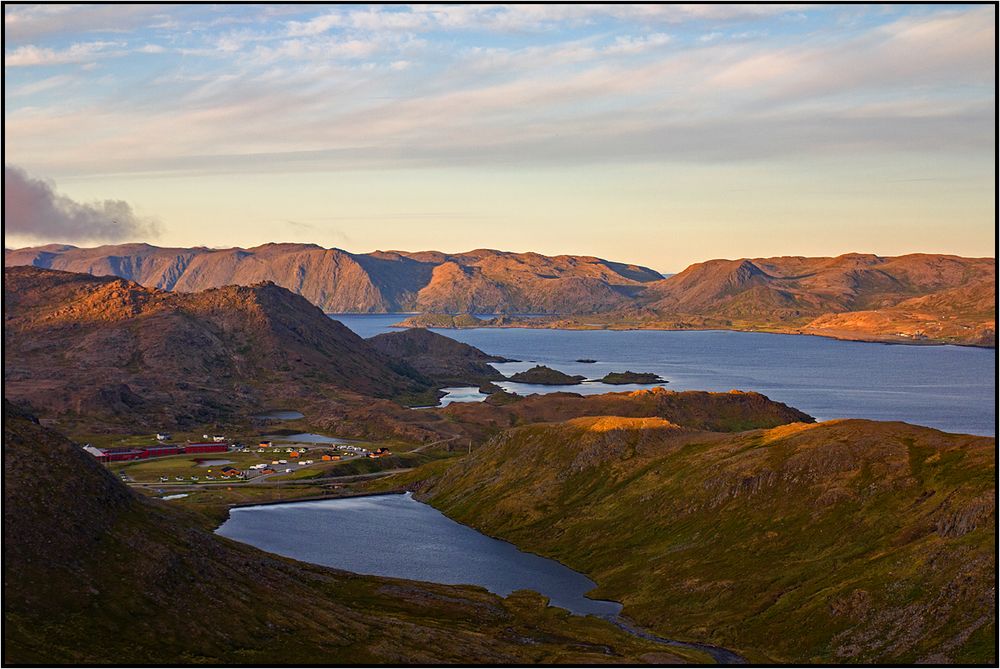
397, 536
951, 388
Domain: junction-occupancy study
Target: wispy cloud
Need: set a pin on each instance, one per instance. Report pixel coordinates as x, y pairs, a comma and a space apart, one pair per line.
43, 20
441, 84
82, 52
41, 85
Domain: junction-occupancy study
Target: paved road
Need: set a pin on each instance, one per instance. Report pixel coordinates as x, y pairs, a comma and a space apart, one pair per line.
434, 443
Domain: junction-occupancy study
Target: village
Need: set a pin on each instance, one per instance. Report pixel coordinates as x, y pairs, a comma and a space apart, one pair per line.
218, 459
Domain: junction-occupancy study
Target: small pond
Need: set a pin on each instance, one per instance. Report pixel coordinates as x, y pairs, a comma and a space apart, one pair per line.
280, 415
305, 438
213, 463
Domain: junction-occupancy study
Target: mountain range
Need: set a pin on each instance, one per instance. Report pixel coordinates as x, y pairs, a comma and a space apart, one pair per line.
928, 298
483, 280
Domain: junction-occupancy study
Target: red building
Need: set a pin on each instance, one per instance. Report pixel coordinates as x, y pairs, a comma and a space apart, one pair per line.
121, 454
157, 451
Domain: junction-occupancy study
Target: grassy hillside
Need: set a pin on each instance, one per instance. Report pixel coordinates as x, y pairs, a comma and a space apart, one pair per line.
846, 541
95, 574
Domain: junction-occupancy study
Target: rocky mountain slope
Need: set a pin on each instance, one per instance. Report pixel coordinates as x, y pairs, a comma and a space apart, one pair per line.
483, 280
446, 361
104, 347
841, 542
94, 574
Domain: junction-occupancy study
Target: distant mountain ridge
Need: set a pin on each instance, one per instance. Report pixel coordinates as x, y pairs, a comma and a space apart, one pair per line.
483, 280
856, 296
917, 297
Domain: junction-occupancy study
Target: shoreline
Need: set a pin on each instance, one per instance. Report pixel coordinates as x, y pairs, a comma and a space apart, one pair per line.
299, 500
638, 328
627, 327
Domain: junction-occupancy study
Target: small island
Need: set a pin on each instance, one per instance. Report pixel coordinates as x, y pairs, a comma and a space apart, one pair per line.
546, 376
445, 321
620, 378
587, 360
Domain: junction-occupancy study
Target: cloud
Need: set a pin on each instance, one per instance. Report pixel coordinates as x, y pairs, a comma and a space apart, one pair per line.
518, 18
923, 82
32, 208
629, 44
30, 55
32, 22
41, 85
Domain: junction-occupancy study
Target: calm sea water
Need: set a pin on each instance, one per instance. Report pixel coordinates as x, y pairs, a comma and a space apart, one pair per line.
395, 535
950, 388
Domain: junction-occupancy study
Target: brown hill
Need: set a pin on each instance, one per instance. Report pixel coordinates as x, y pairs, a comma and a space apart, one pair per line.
477, 421
337, 281
446, 361
106, 347
843, 542
94, 574
790, 288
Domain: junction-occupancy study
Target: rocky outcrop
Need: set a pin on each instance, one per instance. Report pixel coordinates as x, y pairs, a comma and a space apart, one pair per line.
622, 378
443, 360
546, 376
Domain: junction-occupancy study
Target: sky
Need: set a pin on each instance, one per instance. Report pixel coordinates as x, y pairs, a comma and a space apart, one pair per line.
657, 134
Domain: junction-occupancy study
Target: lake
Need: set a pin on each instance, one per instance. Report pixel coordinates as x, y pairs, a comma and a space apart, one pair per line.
950, 388
397, 536
280, 415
